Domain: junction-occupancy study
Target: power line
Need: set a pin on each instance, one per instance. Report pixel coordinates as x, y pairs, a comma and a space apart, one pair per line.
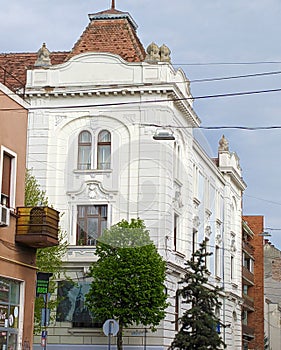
241, 63
234, 77
232, 94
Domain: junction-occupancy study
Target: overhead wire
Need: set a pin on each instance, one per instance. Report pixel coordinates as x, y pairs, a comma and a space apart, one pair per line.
176, 99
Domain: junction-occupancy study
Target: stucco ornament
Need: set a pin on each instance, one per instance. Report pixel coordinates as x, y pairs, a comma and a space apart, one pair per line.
178, 199
165, 54
196, 221
43, 57
153, 53
223, 144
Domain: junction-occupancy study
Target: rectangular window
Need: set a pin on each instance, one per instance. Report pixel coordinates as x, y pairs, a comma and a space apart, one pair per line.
72, 306
231, 267
217, 261
194, 240
8, 178
245, 317
176, 224
91, 222
9, 311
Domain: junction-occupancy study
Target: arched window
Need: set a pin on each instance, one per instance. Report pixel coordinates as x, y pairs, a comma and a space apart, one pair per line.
84, 150
104, 150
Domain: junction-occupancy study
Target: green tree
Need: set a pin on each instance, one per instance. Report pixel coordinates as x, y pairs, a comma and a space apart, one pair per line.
199, 324
47, 259
128, 278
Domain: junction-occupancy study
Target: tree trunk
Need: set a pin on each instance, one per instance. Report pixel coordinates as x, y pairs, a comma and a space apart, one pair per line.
120, 337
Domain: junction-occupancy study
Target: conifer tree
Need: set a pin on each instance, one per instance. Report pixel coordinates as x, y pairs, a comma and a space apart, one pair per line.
199, 324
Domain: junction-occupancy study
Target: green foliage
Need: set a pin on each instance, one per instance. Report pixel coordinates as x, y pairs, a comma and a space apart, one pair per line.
34, 196
128, 278
47, 259
199, 323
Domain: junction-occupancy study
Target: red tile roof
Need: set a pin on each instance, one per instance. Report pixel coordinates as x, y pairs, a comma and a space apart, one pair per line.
110, 31
13, 67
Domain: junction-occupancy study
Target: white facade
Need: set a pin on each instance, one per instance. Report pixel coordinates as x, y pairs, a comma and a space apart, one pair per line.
179, 192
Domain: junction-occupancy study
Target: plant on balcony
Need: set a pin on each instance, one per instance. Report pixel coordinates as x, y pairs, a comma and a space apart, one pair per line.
47, 259
199, 324
128, 278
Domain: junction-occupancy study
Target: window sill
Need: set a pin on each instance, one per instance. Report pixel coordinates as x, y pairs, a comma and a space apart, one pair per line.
82, 331
90, 171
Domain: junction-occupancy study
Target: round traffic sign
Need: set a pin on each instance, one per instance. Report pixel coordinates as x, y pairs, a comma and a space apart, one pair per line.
110, 327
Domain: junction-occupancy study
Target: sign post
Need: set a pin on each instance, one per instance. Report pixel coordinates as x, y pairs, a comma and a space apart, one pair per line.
110, 327
42, 288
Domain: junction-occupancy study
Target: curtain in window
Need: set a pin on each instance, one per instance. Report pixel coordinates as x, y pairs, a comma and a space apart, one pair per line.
104, 150
84, 150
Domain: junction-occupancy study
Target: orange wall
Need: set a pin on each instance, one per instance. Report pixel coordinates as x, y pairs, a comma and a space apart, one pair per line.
17, 262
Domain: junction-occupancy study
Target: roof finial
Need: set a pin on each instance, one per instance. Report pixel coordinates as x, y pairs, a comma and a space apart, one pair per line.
113, 5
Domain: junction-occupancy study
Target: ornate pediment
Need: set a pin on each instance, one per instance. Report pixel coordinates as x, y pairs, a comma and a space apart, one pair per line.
93, 190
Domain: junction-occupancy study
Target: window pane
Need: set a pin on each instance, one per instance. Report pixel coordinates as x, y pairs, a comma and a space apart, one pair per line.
4, 290
104, 136
93, 210
104, 157
93, 231
84, 157
81, 211
6, 178
15, 292
103, 226
104, 211
85, 137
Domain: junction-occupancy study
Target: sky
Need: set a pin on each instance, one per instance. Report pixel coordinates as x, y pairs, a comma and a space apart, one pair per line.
208, 40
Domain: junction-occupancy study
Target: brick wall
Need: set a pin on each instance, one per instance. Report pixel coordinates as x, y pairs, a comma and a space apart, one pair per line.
256, 319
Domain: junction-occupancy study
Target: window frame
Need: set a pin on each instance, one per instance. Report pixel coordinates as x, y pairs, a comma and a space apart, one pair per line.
101, 144
81, 144
83, 241
11, 198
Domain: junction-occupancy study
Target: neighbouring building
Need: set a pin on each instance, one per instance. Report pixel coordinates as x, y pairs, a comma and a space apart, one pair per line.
97, 114
23, 229
272, 286
253, 282
18, 243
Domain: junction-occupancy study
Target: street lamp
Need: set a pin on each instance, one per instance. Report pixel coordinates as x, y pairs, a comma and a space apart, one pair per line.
163, 134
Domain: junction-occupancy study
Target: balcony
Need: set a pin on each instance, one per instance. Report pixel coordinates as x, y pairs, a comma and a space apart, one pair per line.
37, 227
248, 332
247, 247
248, 302
247, 276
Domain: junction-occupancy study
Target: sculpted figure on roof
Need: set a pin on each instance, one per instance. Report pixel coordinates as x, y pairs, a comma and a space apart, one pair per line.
223, 144
153, 53
165, 54
43, 57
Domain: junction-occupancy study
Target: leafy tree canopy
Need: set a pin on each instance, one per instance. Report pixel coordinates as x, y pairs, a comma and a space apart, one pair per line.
128, 278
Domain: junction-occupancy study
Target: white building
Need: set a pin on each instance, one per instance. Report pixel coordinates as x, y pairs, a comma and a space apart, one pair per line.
91, 146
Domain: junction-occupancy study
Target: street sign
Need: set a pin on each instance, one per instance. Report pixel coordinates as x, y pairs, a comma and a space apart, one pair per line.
45, 317
42, 283
44, 339
110, 327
